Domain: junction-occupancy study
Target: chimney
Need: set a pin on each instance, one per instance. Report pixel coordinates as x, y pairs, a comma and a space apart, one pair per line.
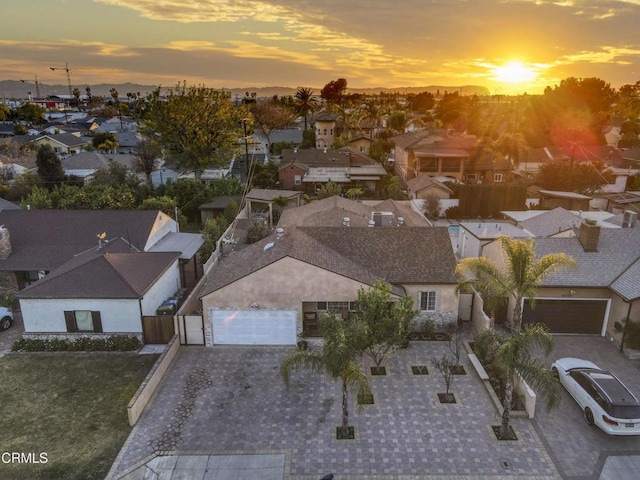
589, 235
5, 243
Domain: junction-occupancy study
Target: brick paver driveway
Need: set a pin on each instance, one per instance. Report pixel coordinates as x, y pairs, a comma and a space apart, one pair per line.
227, 400
13, 333
578, 449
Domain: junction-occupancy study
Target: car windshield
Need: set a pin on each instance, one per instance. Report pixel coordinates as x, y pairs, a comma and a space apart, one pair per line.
625, 411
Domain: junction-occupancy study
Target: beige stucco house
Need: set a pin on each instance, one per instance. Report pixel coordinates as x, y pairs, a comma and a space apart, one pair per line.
269, 292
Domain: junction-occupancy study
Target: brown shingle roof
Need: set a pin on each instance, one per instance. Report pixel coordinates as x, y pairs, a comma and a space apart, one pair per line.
400, 255
96, 274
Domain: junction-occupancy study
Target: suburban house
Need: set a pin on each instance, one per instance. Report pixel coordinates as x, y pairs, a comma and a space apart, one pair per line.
217, 206
599, 295
558, 222
325, 125
85, 164
122, 264
108, 289
473, 237
306, 170
360, 143
568, 200
63, 143
37, 242
261, 203
424, 187
269, 292
434, 153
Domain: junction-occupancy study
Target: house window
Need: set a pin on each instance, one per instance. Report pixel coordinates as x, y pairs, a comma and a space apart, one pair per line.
336, 306
451, 165
471, 176
325, 131
331, 132
428, 301
297, 179
428, 165
497, 177
83, 321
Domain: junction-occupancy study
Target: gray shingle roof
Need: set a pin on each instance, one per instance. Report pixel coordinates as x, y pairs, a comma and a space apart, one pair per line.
45, 239
401, 255
551, 222
618, 249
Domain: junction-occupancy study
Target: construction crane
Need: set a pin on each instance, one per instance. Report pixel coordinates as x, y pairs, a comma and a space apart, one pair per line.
37, 87
66, 69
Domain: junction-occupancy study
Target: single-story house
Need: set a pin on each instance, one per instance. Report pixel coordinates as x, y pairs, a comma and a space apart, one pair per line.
270, 291
85, 164
217, 206
568, 200
64, 143
602, 291
423, 187
106, 290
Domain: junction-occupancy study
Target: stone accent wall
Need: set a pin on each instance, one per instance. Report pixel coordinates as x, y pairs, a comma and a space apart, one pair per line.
5, 243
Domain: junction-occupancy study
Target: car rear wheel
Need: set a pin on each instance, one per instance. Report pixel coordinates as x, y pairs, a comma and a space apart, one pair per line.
588, 416
5, 323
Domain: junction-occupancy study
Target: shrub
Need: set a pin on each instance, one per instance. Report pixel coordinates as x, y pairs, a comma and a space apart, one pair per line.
115, 343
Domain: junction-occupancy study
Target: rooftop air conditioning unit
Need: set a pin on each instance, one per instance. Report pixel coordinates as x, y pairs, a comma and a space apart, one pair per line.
382, 219
629, 219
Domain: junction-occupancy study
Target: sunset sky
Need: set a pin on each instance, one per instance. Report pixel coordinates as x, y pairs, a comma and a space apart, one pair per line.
508, 46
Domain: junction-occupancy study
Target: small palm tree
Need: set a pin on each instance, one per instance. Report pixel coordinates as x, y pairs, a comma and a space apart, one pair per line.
337, 360
281, 203
516, 354
520, 279
305, 103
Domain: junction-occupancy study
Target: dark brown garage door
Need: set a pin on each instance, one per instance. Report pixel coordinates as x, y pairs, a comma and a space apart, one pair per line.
567, 316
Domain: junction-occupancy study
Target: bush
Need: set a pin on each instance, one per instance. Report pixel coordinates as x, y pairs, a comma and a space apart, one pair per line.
116, 343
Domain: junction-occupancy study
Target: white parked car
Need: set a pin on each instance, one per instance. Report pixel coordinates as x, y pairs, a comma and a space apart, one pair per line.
6, 318
605, 401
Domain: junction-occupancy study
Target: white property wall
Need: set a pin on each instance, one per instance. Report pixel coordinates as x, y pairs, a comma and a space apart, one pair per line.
164, 287
47, 315
164, 224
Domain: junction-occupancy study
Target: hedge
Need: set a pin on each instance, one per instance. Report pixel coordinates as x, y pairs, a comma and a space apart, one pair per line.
116, 343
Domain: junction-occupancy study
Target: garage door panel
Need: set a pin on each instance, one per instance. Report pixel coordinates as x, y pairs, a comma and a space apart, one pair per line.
253, 327
567, 316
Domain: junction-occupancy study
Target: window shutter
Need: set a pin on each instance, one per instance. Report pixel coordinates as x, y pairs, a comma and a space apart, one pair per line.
97, 322
70, 320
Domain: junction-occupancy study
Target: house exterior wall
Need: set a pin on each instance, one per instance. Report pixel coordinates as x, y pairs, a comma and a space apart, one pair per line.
162, 289
618, 313
360, 145
164, 224
432, 190
284, 284
47, 315
325, 134
469, 245
446, 297
287, 178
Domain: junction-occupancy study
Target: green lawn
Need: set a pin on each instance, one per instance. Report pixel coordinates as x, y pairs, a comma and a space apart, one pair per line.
70, 406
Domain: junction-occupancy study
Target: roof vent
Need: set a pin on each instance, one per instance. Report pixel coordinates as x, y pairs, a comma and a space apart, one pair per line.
371, 223
295, 149
324, 149
279, 233
345, 221
629, 219
400, 221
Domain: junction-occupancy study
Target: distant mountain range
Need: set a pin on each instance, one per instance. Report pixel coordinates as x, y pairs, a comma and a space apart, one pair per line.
17, 89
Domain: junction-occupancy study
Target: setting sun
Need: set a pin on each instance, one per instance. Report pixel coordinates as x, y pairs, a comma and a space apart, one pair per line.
514, 73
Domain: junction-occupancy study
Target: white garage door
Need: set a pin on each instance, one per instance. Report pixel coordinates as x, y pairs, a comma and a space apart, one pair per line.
253, 326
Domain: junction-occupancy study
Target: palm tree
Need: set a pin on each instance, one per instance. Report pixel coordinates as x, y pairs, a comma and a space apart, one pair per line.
281, 202
305, 103
518, 280
515, 354
337, 360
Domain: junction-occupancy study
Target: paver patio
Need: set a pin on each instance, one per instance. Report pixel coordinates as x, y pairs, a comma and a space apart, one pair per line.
227, 400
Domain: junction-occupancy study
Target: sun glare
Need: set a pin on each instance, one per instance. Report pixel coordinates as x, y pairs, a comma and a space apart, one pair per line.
514, 73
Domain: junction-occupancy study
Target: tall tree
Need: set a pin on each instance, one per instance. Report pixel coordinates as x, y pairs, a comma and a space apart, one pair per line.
147, 152
387, 323
305, 103
515, 354
584, 177
520, 278
49, 166
197, 126
333, 91
337, 360
270, 115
